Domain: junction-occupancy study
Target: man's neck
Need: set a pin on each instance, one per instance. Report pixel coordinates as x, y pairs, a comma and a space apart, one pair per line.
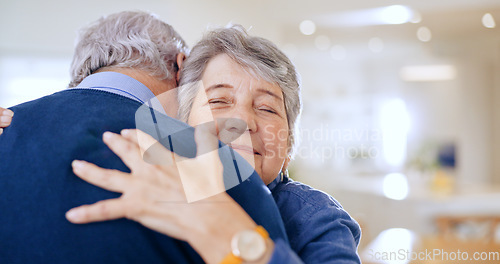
164, 90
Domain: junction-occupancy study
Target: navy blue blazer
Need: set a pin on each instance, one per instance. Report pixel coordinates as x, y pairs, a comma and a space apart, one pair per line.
37, 186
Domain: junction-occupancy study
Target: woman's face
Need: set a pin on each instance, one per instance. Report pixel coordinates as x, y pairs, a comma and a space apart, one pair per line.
249, 113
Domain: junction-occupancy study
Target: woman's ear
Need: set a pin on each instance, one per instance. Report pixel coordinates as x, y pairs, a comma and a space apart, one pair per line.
181, 57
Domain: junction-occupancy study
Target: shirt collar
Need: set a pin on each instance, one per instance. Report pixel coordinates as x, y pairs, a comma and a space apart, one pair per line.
276, 181
123, 85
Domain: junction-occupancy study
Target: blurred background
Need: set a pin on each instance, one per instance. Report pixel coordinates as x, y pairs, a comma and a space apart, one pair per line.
401, 119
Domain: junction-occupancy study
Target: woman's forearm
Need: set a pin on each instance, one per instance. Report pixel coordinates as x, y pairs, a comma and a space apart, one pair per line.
212, 237
213, 241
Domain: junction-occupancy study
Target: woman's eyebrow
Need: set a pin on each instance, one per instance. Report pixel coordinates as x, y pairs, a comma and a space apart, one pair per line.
270, 93
228, 86
218, 85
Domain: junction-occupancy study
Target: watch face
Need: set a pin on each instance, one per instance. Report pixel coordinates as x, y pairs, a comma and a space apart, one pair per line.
249, 245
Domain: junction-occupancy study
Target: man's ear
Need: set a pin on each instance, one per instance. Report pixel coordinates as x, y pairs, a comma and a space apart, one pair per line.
179, 60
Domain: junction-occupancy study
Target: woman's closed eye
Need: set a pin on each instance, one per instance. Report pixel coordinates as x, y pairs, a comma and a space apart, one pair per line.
268, 110
217, 101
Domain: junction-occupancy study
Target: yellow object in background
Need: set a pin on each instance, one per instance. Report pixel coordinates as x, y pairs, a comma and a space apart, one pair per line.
442, 183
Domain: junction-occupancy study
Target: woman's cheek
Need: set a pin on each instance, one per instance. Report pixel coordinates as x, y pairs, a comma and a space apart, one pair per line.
269, 133
282, 135
270, 150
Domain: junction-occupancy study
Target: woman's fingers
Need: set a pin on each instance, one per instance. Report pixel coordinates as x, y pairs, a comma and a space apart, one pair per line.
131, 135
111, 180
141, 139
127, 151
101, 211
5, 117
153, 152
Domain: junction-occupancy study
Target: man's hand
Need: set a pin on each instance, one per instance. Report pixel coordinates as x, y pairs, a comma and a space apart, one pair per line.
5, 118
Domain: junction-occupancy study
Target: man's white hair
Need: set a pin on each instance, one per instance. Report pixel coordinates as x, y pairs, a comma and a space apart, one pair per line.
129, 39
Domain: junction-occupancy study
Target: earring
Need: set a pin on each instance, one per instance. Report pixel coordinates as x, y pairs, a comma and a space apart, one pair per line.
283, 175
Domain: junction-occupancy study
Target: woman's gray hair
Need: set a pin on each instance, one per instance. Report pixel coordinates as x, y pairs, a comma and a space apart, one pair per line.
260, 56
127, 39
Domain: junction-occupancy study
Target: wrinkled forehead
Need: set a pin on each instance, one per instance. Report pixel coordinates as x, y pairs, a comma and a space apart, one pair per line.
223, 72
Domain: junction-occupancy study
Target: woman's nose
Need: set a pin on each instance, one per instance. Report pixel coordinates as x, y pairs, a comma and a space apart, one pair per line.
246, 115
230, 129
235, 125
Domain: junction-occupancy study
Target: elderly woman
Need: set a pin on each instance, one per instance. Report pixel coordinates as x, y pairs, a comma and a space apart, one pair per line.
250, 89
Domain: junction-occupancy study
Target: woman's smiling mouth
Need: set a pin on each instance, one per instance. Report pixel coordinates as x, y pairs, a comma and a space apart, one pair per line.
245, 149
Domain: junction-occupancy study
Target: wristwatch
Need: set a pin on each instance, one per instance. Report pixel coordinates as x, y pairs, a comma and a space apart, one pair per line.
247, 246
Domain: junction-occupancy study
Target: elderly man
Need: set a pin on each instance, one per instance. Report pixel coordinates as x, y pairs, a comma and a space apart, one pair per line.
121, 62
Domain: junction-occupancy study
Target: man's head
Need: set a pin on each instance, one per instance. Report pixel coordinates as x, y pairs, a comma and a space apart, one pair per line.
136, 40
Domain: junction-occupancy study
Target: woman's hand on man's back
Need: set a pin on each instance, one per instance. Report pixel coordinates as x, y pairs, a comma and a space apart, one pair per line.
5, 118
